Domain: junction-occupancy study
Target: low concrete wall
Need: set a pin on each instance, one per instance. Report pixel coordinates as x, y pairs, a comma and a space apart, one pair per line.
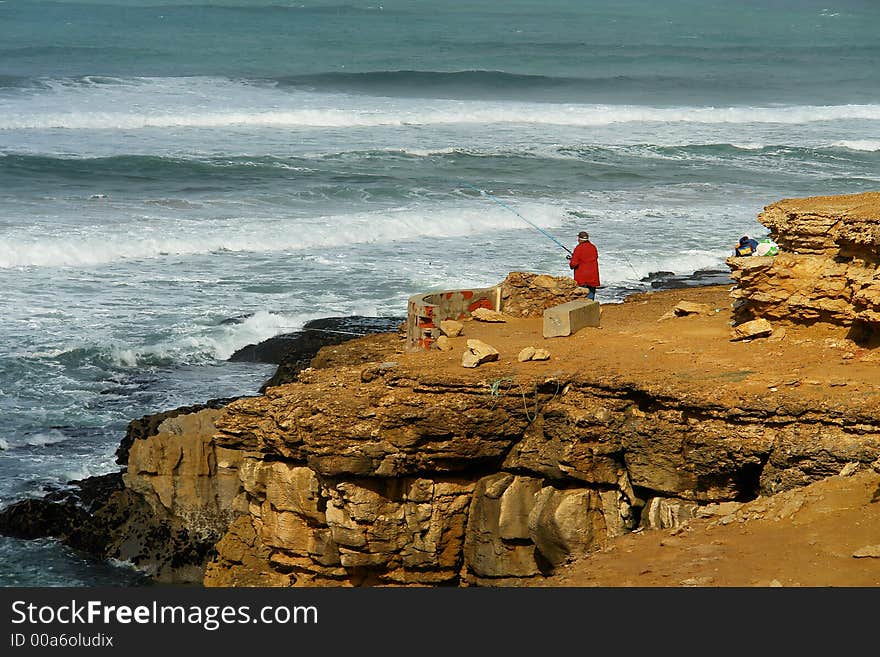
426, 311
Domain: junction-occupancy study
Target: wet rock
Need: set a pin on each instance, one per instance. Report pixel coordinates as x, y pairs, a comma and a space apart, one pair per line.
100, 517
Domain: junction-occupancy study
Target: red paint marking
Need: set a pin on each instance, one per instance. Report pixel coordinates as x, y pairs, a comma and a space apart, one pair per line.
482, 303
467, 294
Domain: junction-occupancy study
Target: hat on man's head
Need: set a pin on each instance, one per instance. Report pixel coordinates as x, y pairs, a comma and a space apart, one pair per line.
583, 235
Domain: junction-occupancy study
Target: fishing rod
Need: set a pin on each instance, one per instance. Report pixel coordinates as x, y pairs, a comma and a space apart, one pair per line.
581, 215
507, 207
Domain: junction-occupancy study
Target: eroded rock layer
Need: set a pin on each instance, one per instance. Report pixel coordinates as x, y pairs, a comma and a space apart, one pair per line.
828, 268
413, 478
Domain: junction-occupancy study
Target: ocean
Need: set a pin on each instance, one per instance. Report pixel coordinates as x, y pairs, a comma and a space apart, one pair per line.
179, 180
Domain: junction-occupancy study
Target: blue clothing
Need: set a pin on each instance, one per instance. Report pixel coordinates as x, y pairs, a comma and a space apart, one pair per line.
746, 246
592, 293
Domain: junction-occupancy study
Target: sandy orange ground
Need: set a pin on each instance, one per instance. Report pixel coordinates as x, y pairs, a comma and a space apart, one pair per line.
693, 355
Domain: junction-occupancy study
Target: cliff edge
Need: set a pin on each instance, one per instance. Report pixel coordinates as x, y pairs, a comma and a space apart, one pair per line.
677, 416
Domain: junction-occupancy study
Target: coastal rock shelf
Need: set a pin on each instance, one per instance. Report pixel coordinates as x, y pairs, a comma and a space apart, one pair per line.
403, 468
827, 268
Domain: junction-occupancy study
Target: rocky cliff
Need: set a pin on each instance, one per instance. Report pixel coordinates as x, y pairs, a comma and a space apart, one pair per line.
408, 469
827, 268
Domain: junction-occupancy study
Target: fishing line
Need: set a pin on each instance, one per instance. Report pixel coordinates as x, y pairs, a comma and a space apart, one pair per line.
544, 232
507, 207
635, 271
583, 215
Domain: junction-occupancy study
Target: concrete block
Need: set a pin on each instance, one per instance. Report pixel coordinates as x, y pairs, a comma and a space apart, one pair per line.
569, 318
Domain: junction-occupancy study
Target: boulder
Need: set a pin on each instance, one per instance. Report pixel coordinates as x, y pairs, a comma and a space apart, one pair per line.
565, 523
757, 328
477, 353
691, 308
451, 327
525, 354
443, 343
487, 315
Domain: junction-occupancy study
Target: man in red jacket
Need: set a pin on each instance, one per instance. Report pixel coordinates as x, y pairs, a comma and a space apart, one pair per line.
584, 260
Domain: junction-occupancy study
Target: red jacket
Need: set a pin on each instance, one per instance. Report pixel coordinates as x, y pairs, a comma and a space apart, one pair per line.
585, 262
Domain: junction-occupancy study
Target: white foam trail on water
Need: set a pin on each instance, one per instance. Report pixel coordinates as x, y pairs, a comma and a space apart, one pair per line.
97, 245
367, 310
483, 114
859, 144
94, 465
51, 437
217, 102
747, 146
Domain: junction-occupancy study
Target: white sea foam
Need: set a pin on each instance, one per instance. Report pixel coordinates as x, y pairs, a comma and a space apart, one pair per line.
51, 437
421, 152
366, 310
225, 340
4, 445
467, 113
619, 268
859, 144
748, 146
99, 244
94, 465
125, 357
217, 103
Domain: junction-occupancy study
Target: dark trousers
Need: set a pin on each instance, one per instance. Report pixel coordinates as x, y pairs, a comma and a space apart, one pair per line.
592, 294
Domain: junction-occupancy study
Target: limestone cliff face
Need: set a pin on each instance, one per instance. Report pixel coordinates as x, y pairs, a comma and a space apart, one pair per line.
417, 479
828, 268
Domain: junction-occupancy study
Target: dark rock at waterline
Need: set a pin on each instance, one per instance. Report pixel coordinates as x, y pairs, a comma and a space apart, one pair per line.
305, 343
100, 517
238, 319
667, 280
293, 352
148, 425
65, 514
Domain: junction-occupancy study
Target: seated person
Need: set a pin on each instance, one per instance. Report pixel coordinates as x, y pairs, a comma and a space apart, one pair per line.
746, 246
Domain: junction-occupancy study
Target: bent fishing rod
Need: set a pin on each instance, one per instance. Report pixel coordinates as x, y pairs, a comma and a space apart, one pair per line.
544, 232
507, 207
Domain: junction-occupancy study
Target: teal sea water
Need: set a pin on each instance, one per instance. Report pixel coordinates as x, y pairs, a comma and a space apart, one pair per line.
167, 166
